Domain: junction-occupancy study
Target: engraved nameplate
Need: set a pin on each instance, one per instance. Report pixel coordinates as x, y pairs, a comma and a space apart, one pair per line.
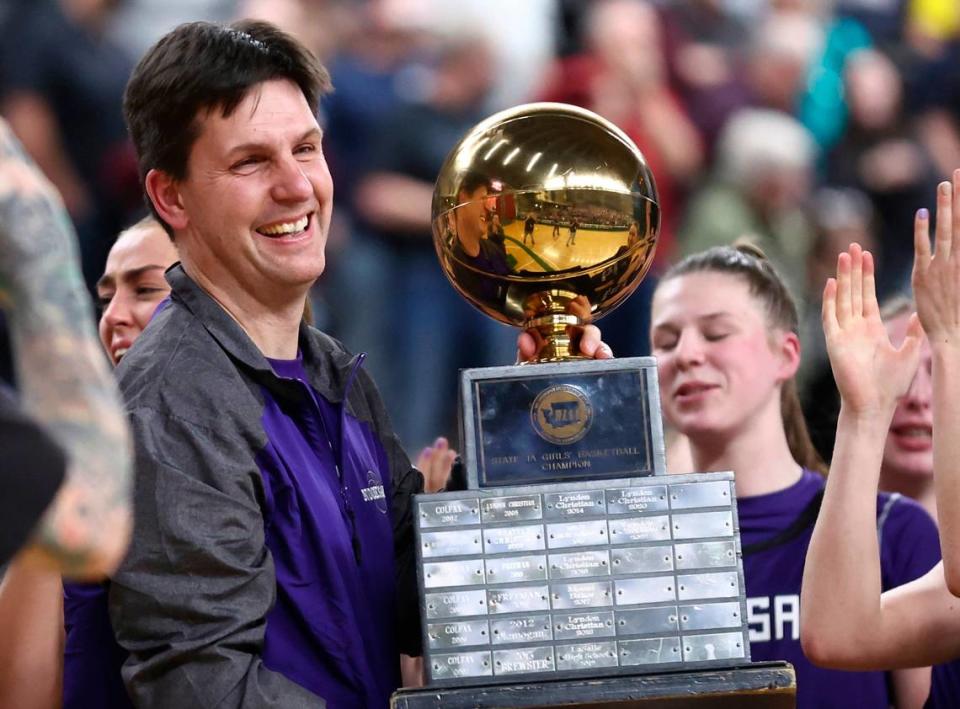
641, 559
453, 573
501, 539
449, 513
715, 585
583, 625
705, 555
578, 564
581, 595
522, 629
456, 604
509, 509
443, 636
585, 656
518, 599
509, 569
702, 494
564, 505
710, 615
639, 529
523, 660
650, 651
461, 664
656, 589
649, 498
576, 534
716, 646
454, 543
644, 621
703, 524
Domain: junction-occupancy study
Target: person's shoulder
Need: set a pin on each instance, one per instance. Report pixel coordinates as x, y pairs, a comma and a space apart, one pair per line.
901, 519
177, 363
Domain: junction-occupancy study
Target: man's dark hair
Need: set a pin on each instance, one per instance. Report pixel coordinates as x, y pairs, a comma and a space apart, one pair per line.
201, 66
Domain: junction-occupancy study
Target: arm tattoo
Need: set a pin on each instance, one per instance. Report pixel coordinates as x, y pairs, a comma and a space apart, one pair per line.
63, 375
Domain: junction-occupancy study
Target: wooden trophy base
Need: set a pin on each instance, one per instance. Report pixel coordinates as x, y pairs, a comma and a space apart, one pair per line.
763, 685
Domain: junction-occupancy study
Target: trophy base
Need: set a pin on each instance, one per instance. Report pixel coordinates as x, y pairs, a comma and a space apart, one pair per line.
760, 685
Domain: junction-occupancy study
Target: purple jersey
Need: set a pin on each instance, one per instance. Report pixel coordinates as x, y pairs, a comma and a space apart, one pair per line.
773, 569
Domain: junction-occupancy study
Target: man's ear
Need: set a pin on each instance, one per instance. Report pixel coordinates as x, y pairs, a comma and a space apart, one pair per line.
164, 191
789, 351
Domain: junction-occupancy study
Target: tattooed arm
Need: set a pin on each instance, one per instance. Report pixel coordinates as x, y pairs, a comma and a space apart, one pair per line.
63, 377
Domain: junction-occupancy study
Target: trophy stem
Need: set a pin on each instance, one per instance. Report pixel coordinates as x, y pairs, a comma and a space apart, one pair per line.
557, 344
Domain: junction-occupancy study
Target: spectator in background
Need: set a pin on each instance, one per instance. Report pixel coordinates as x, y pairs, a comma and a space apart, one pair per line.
758, 189
880, 154
61, 83
395, 198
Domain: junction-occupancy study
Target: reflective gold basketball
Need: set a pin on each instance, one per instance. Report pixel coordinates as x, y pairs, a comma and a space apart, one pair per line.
546, 216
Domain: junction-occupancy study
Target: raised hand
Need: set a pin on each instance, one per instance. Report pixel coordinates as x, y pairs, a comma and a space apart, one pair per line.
435, 462
936, 276
870, 372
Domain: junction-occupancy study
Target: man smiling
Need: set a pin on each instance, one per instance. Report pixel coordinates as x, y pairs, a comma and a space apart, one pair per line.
263, 571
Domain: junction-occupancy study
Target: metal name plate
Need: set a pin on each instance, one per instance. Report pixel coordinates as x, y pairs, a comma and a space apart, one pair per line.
713, 585
639, 529
590, 579
461, 664
584, 625
468, 572
705, 555
511, 509
581, 595
653, 589
523, 660
645, 621
650, 651
444, 636
700, 494
578, 564
716, 646
522, 629
695, 525
449, 513
563, 535
574, 504
710, 616
510, 569
636, 560
452, 543
585, 656
502, 539
456, 604
648, 498
518, 599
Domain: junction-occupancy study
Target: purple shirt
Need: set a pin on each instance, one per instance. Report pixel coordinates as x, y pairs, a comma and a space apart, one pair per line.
909, 547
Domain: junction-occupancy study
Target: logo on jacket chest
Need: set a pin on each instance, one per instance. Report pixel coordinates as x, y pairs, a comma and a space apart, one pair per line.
374, 492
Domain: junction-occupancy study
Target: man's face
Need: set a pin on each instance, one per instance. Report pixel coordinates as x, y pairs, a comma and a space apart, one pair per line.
472, 215
257, 197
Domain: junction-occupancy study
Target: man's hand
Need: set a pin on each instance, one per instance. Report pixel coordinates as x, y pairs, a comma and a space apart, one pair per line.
591, 344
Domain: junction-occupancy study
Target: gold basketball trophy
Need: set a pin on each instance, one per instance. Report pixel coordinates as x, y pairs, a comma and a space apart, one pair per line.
571, 570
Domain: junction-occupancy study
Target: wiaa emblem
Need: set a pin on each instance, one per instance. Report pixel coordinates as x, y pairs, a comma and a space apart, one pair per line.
562, 414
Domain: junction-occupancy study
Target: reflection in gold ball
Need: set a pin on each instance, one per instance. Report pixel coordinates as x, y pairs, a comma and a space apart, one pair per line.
545, 216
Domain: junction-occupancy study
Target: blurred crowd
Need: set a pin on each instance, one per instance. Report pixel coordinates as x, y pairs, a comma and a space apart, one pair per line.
802, 125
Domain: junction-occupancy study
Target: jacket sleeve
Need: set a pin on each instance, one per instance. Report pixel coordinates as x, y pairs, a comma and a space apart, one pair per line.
405, 482
189, 603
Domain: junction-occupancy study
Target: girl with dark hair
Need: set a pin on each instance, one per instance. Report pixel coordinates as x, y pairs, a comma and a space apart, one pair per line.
725, 335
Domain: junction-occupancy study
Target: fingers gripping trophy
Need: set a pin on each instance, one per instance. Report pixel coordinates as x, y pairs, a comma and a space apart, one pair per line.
570, 556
